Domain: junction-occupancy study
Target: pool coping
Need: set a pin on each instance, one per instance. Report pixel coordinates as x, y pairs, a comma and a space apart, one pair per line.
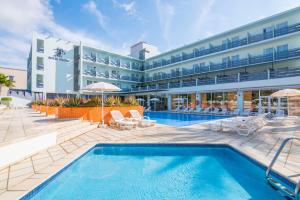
197, 114
39, 186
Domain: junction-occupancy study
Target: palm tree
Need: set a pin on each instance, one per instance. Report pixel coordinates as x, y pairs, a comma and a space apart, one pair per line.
4, 81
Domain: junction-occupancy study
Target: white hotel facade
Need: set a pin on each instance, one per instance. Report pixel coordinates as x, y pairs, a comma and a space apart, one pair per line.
239, 68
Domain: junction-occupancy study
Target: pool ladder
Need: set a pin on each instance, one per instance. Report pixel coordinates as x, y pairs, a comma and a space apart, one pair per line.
288, 192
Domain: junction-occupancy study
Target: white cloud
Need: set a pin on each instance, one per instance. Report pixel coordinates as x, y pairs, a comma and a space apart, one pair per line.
91, 7
129, 8
17, 25
203, 17
166, 13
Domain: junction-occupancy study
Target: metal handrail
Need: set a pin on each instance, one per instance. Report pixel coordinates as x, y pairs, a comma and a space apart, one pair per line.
297, 189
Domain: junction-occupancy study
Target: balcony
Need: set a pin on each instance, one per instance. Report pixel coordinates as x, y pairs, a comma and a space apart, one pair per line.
40, 67
39, 84
253, 76
233, 78
227, 79
113, 63
225, 46
174, 85
250, 60
40, 49
189, 83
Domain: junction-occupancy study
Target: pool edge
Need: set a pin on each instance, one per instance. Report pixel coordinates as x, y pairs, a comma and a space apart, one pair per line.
38, 187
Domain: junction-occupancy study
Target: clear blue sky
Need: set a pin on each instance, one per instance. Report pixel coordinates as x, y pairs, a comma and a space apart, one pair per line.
117, 24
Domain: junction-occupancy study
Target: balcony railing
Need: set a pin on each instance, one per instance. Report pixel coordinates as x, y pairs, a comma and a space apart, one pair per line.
97, 74
251, 60
39, 84
40, 67
114, 63
228, 45
253, 76
234, 78
40, 49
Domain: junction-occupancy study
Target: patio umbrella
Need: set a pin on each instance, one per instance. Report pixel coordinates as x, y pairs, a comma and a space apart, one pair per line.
286, 93
140, 100
154, 99
179, 99
102, 87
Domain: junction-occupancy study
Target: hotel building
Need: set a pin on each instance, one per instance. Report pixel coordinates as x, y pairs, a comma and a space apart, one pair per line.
239, 68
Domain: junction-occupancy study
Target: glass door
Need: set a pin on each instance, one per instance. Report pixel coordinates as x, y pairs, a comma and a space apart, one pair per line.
272, 104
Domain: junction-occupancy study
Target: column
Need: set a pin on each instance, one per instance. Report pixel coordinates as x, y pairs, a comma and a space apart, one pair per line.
148, 100
240, 100
198, 100
169, 102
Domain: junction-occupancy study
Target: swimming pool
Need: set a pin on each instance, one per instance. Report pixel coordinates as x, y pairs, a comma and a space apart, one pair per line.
149, 171
181, 119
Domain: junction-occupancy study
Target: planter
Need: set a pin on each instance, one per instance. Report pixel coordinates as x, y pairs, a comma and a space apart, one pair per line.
43, 109
51, 110
33, 107
94, 113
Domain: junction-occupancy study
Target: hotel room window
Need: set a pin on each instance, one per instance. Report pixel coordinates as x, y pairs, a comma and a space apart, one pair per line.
40, 46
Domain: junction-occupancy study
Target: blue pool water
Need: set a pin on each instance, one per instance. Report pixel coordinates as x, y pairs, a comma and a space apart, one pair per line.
158, 172
180, 119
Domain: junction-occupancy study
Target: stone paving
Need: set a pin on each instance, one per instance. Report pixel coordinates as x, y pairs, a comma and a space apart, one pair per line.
21, 177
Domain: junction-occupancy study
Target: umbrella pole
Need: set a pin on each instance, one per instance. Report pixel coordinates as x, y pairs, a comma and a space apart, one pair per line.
288, 106
102, 111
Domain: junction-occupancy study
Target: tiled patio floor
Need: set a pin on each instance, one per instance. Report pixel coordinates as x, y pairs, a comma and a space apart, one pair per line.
22, 177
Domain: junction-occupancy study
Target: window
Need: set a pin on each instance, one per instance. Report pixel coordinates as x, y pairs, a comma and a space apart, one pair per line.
235, 58
225, 60
39, 81
40, 46
11, 78
282, 25
268, 29
88, 82
40, 63
282, 48
236, 38
202, 64
268, 51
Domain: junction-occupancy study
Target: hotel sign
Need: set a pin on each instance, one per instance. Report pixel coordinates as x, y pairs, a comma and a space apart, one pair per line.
58, 55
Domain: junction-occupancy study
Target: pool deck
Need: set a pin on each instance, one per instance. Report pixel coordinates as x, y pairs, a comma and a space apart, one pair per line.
21, 177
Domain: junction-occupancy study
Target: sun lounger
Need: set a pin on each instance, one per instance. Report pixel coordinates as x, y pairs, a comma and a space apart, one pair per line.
120, 121
148, 109
246, 112
224, 111
206, 110
143, 120
243, 125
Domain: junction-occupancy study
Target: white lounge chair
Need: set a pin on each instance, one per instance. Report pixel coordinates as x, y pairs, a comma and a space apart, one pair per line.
144, 121
246, 112
235, 112
216, 111
206, 110
224, 111
148, 109
120, 121
243, 125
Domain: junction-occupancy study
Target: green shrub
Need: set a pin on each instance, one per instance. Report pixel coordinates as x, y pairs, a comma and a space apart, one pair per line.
110, 101
131, 101
73, 102
6, 99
